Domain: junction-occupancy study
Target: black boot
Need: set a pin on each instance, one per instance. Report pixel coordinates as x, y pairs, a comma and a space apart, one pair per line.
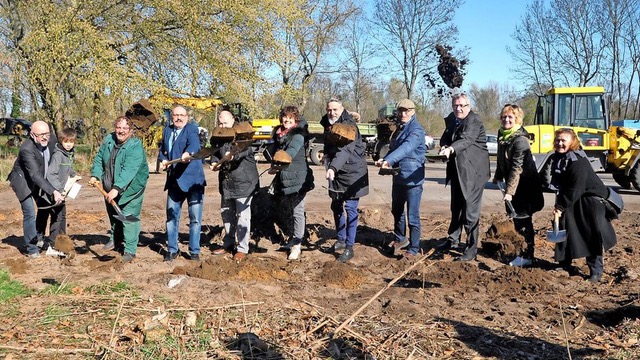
346, 255
596, 268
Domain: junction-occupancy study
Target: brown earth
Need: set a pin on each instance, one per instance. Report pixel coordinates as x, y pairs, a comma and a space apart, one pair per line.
290, 309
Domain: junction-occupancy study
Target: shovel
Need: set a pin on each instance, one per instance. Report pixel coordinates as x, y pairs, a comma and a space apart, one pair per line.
199, 155
556, 235
119, 214
511, 211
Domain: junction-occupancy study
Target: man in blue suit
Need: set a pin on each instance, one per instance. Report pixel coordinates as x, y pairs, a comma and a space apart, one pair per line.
185, 181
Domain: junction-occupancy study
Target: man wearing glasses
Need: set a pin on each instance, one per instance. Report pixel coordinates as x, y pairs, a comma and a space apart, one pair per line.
185, 181
464, 143
27, 179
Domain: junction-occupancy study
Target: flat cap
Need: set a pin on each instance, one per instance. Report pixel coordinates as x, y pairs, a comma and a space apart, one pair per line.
405, 104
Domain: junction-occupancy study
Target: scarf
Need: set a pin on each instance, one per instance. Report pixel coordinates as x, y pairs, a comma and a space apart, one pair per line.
282, 131
504, 135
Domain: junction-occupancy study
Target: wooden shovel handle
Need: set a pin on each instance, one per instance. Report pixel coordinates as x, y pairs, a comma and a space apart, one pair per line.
98, 186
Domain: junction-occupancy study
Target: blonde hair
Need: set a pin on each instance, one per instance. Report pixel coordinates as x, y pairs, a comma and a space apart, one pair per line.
517, 112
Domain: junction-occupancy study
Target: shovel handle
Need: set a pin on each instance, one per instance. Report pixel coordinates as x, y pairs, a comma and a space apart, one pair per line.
104, 193
556, 221
512, 211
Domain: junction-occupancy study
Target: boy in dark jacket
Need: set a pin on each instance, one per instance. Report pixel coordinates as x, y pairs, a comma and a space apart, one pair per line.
59, 171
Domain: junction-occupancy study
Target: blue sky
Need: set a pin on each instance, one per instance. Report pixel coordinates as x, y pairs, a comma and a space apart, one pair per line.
485, 27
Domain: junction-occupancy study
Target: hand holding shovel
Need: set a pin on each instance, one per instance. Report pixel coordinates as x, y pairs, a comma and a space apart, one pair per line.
119, 214
511, 211
556, 235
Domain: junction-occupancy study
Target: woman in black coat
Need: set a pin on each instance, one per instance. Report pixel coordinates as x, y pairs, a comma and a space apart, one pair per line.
522, 184
579, 202
293, 181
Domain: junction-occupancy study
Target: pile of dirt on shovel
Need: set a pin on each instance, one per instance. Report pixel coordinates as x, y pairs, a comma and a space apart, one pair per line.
502, 242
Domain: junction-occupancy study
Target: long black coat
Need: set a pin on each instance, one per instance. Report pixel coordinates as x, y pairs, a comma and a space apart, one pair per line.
515, 165
471, 157
298, 176
579, 194
348, 162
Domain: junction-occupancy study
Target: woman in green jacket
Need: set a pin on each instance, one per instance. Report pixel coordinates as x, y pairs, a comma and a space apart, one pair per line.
120, 166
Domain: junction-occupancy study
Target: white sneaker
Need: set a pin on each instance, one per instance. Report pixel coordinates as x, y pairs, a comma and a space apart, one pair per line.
295, 252
521, 262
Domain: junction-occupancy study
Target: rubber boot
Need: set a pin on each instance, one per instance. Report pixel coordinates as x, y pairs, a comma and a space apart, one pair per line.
596, 268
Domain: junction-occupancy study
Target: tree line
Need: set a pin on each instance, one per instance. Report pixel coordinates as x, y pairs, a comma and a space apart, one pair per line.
67, 60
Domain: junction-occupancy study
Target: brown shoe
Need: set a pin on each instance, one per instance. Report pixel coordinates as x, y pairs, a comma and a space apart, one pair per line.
239, 256
221, 251
409, 256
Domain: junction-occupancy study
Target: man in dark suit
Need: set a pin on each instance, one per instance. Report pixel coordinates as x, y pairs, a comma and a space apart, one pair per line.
28, 181
185, 181
464, 143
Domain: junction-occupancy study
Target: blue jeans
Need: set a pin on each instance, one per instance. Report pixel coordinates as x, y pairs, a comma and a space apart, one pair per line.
175, 198
346, 226
29, 224
411, 196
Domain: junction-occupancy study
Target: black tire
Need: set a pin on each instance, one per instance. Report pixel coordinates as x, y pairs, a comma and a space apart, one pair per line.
316, 154
634, 176
622, 180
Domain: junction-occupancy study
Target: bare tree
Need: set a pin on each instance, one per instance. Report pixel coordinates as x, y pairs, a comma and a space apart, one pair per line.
307, 40
487, 103
409, 32
358, 55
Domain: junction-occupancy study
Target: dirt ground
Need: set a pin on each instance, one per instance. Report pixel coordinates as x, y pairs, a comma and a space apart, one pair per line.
439, 309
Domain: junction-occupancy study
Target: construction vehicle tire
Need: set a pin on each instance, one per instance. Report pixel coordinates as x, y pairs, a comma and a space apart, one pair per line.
316, 154
623, 180
634, 176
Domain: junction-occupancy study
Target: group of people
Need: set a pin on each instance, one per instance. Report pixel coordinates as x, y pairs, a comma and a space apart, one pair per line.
580, 194
121, 169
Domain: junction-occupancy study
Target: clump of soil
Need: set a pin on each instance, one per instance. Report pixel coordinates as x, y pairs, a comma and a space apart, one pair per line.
250, 269
370, 216
510, 279
455, 275
17, 266
503, 243
64, 244
342, 275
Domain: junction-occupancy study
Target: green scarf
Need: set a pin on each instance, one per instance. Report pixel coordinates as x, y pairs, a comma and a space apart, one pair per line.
504, 135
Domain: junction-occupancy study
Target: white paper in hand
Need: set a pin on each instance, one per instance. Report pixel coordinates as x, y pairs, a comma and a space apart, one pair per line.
73, 192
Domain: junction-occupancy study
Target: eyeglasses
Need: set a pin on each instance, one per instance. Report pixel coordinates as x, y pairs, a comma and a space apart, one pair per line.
460, 106
43, 135
182, 115
513, 106
401, 110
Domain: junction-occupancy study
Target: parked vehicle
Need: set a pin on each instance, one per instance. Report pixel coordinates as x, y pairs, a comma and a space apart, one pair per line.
16, 129
492, 144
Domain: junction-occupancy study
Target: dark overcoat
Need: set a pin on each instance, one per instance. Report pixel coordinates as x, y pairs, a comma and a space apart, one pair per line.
471, 157
580, 194
516, 167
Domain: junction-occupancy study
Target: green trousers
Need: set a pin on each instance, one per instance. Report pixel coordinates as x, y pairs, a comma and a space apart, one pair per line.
127, 233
